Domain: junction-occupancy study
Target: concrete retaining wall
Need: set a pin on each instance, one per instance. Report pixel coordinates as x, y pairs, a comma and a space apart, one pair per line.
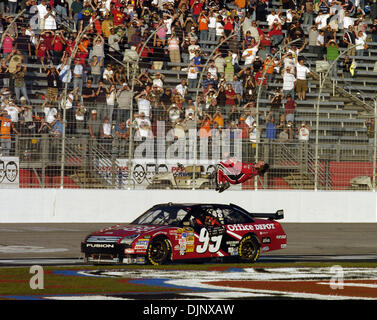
113, 206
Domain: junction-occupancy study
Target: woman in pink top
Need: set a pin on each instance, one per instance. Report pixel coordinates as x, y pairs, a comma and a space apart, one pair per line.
161, 33
173, 48
7, 45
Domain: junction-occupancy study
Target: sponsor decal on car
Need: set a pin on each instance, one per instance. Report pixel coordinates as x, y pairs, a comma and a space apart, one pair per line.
141, 244
100, 245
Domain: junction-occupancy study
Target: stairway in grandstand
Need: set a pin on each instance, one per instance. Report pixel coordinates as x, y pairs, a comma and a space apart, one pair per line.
296, 165
100, 170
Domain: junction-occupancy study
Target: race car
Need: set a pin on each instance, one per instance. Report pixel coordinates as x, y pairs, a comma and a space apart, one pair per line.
174, 232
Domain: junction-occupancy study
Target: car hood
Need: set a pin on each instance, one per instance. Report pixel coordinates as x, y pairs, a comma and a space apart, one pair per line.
128, 230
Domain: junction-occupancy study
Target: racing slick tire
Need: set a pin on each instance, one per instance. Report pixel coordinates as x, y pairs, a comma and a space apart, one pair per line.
159, 251
249, 249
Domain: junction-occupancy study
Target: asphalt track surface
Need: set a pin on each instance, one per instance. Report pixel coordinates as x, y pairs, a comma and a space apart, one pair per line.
60, 243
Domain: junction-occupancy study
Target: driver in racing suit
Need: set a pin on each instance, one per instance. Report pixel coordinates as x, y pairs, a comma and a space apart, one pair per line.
232, 171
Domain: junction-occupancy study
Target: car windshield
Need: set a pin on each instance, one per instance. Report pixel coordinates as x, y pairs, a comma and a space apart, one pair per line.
163, 216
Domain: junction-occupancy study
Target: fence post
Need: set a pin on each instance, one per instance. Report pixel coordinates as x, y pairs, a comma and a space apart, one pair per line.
374, 146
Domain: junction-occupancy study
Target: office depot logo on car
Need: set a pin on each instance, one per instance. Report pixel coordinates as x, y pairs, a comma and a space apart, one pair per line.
249, 227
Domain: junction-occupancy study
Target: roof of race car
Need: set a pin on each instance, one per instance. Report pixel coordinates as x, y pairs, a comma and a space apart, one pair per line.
203, 205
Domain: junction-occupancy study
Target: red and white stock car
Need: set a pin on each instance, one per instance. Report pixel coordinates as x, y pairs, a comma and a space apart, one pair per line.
177, 232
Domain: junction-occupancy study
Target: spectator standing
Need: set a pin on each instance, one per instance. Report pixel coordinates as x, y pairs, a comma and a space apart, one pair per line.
124, 99
6, 129
96, 65
49, 18
250, 53
261, 81
192, 76
113, 42
4, 72
271, 129
346, 74
44, 127
302, 82
332, 55
7, 45
289, 82
78, 72
94, 127
12, 4
143, 126
65, 73
111, 95
174, 51
19, 82
50, 112
349, 38
80, 112
229, 67
303, 132
120, 138
108, 75
360, 43
42, 12
289, 109
144, 105
75, 9
203, 22
106, 134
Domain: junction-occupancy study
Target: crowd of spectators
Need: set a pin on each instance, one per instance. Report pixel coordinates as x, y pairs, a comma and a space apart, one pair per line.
254, 42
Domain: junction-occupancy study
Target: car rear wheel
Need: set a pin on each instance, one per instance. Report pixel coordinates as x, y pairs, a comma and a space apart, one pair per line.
158, 252
249, 249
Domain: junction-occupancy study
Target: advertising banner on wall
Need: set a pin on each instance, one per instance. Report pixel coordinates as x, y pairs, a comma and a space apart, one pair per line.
9, 172
172, 174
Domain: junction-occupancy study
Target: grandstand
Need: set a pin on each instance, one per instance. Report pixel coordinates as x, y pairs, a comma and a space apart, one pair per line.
340, 145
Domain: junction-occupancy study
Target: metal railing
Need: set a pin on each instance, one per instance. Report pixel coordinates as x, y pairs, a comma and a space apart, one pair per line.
94, 163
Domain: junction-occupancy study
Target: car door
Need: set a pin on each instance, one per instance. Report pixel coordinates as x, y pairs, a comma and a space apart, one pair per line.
209, 232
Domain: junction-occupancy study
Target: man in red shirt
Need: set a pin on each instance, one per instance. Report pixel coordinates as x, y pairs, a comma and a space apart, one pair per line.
261, 81
118, 17
289, 109
232, 171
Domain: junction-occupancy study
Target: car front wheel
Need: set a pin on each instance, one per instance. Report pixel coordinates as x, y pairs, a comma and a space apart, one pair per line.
158, 252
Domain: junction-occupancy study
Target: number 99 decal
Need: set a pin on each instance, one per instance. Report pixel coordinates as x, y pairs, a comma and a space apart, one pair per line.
212, 244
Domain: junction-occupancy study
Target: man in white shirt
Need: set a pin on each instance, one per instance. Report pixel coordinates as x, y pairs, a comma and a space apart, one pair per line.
271, 18
289, 81
42, 11
192, 48
50, 19
302, 83
321, 20
157, 80
192, 76
13, 112
303, 132
65, 74
144, 105
182, 88
78, 72
249, 54
347, 20
50, 113
143, 128
289, 62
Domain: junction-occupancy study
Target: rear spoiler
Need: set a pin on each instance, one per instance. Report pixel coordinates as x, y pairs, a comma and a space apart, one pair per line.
278, 215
